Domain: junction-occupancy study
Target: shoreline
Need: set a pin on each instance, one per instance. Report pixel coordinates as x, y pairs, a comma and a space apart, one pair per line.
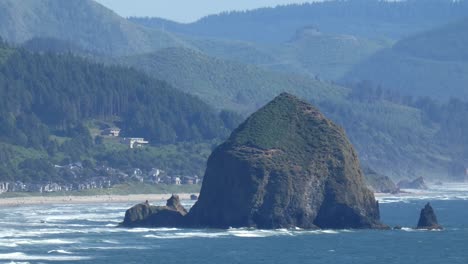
92, 199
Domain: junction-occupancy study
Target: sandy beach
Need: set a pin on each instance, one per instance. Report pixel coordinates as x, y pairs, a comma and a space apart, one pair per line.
134, 198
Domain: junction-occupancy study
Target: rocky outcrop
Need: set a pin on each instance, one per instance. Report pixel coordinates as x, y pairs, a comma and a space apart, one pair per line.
285, 166
144, 214
417, 183
428, 219
379, 183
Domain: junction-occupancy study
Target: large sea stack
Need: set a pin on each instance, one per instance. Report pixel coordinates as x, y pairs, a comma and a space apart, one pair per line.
428, 219
285, 166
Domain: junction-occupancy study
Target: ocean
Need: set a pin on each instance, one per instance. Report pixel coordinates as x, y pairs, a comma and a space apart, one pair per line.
87, 233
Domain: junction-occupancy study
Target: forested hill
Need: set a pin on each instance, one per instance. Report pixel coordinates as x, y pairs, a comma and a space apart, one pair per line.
82, 22
432, 63
51, 94
365, 18
227, 84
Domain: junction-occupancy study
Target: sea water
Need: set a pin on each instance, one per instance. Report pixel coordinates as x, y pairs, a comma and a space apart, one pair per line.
88, 233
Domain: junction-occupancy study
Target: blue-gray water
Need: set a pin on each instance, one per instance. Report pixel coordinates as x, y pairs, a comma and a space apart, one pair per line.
87, 234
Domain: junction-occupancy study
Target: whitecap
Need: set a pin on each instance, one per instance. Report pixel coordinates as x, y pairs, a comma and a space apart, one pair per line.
329, 231
23, 256
44, 242
60, 251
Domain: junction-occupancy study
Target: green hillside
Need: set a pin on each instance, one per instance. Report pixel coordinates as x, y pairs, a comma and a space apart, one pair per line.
53, 107
433, 63
326, 55
226, 84
83, 22
308, 52
384, 130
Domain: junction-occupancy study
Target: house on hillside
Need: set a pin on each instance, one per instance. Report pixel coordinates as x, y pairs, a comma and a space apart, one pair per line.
135, 142
111, 132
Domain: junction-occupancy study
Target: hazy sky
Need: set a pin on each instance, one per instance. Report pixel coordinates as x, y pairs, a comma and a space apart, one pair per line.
186, 10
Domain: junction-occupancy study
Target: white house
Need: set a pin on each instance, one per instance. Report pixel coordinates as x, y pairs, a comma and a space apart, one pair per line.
111, 132
135, 142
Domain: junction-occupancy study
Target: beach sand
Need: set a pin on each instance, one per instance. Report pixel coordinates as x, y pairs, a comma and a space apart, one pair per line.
133, 198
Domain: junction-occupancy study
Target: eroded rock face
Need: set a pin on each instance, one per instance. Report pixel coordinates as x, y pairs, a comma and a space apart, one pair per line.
417, 183
428, 219
144, 214
378, 182
285, 166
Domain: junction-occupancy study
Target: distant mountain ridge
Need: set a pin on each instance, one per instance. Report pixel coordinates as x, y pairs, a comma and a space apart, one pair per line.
83, 22
370, 19
432, 63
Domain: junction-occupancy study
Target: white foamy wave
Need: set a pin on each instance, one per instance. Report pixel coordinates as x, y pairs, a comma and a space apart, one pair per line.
60, 251
186, 235
110, 241
260, 233
22, 256
446, 192
44, 242
329, 231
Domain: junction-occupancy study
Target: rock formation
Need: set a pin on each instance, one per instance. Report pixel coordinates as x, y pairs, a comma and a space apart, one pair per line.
428, 219
378, 182
285, 166
417, 183
145, 214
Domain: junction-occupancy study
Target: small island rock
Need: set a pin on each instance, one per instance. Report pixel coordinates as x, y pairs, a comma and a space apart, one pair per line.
428, 219
145, 214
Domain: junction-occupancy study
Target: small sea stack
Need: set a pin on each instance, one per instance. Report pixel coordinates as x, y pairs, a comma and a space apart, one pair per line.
428, 219
144, 214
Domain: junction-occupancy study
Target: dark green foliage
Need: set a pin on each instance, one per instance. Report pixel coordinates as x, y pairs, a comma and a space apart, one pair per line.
46, 100
54, 45
38, 170
59, 91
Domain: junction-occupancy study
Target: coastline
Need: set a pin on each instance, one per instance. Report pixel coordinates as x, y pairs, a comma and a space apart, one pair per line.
92, 199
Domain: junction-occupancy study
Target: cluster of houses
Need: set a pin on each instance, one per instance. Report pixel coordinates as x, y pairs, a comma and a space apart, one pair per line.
103, 177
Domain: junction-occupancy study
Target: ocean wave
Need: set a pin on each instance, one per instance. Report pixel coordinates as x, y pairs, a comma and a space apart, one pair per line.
55, 241
111, 248
446, 192
185, 235
23, 256
241, 232
60, 251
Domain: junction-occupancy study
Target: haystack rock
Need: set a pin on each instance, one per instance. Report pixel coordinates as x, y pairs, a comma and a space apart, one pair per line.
428, 219
285, 166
